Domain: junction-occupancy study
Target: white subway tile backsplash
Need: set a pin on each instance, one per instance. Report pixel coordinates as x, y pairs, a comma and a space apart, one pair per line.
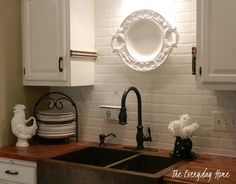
215, 151
227, 101
105, 41
182, 49
165, 138
170, 99
111, 22
103, 32
227, 144
187, 38
203, 121
188, 17
182, 7
179, 59
167, 92
103, 13
204, 100
196, 110
205, 142
186, 27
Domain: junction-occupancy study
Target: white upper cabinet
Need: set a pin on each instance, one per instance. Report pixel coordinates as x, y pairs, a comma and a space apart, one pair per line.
216, 44
58, 42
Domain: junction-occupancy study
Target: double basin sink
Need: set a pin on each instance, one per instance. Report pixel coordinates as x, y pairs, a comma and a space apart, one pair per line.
104, 165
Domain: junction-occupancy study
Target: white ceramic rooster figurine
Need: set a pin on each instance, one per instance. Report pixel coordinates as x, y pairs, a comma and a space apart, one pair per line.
19, 126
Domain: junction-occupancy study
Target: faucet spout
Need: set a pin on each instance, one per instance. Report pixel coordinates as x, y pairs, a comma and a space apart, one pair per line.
123, 115
140, 138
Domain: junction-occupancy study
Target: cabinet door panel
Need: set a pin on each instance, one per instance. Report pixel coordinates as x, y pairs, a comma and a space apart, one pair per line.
43, 39
17, 171
217, 41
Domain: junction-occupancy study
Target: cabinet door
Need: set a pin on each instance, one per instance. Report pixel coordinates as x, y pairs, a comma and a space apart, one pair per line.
44, 37
216, 41
17, 171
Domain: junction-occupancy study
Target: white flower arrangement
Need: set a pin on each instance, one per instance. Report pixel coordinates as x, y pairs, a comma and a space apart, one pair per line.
183, 128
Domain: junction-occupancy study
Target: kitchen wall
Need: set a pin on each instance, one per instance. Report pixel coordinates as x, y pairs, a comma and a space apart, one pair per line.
167, 92
11, 90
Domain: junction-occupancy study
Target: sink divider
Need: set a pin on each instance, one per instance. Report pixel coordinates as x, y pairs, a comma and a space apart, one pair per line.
144, 149
123, 160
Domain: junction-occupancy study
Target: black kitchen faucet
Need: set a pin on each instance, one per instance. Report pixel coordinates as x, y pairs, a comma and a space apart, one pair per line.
140, 138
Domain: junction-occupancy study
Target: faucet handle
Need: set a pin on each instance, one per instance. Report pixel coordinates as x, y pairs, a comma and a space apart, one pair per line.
149, 134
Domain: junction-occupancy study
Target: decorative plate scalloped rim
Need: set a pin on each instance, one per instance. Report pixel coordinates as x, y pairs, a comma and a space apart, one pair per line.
168, 40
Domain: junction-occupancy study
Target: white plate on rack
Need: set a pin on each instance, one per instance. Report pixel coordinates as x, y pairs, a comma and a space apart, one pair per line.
56, 136
69, 125
56, 132
52, 124
54, 113
56, 118
53, 129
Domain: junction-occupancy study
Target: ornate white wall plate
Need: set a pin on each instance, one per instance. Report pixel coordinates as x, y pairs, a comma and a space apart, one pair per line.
144, 40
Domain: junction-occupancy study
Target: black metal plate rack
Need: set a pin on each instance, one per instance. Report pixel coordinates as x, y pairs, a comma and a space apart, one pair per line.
55, 100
